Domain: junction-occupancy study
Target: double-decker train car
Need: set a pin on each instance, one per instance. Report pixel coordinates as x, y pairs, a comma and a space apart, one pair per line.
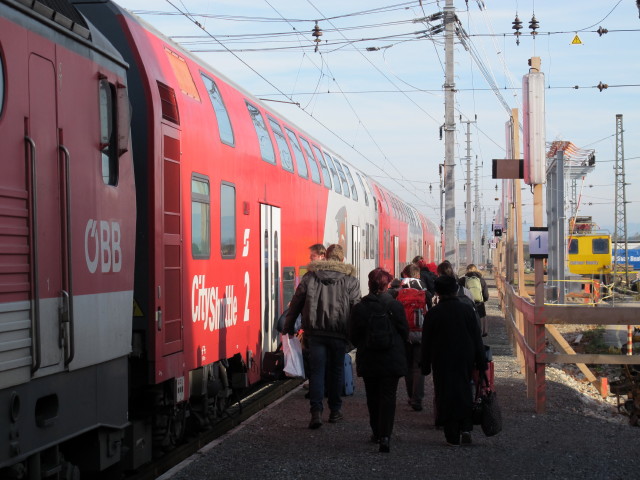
133, 311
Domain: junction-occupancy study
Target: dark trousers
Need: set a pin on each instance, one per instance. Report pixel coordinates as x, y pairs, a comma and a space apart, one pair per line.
414, 381
381, 402
326, 357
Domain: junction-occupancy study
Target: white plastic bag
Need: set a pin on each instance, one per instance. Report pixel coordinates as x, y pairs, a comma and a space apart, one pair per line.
293, 364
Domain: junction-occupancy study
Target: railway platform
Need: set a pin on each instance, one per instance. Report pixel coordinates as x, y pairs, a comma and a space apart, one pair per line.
577, 437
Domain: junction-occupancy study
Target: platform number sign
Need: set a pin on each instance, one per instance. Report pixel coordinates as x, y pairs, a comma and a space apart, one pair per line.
538, 242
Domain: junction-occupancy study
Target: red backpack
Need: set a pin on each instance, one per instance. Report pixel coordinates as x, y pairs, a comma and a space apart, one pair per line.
415, 306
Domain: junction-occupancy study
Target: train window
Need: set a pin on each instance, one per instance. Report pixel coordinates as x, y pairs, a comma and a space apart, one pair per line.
354, 190
573, 246
283, 148
182, 73
364, 189
315, 172
288, 283
303, 171
323, 165
266, 147
200, 217
343, 178
373, 242
228, 220
334, 172
108, 132
367, 240
600, 245
225, 129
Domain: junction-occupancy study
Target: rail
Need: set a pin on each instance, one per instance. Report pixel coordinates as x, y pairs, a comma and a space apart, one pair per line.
529, 325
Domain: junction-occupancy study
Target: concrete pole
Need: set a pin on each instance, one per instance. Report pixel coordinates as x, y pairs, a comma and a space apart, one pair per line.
515, 132
449, 138
470, 236
478, 227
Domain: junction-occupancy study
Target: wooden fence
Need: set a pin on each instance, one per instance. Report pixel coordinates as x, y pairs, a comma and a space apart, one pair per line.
530, 324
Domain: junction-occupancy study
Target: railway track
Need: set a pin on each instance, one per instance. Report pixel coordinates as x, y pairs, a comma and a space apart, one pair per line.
253, 402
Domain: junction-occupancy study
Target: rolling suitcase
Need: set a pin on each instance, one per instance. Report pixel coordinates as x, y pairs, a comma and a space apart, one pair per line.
349, 384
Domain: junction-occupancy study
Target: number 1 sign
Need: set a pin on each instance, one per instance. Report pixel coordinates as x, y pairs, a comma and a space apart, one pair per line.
538, 242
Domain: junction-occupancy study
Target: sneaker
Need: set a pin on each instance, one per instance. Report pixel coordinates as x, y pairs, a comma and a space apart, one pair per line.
416, 407
453, 444
465, 438
335, 416
374, 438
316, 420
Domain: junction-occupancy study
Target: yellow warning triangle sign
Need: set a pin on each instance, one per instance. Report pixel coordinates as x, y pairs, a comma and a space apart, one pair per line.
137, 312
576, 40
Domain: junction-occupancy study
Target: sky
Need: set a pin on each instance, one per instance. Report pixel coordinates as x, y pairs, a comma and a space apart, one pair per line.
373, 90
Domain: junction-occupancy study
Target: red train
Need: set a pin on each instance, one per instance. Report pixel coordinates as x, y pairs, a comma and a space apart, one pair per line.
131, 310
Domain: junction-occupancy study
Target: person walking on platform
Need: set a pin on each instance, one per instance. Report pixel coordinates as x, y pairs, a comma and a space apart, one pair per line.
451, 348
413, 296
477, 285
428, 274
325, 296
379, 330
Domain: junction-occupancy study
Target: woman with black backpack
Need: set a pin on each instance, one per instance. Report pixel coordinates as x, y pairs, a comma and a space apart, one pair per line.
379, 330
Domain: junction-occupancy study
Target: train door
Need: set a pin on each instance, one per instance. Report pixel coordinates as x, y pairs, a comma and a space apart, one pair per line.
396, 255
47, 214
270, 242
169, 307
355, 248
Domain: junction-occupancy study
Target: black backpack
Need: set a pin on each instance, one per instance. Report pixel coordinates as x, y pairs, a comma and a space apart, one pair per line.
380, 330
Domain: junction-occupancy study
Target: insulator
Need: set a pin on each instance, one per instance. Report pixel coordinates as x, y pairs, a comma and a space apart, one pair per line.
316, 32
601, 86
517, 25
534, 25
601, 31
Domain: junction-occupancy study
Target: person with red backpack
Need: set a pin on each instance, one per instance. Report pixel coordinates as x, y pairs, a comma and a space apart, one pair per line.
415, 300
477, 285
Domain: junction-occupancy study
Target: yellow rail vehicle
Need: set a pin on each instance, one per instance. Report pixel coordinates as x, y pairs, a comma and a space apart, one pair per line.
590, 254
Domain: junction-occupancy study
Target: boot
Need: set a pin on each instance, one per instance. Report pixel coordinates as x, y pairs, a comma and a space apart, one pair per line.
316, 420
384, 445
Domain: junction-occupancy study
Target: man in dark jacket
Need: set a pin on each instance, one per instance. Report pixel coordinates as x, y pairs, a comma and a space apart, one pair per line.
325, 296
451, 348
428, 274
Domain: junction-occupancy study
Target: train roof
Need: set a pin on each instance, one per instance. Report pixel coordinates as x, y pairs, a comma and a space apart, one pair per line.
147, 26
62, 16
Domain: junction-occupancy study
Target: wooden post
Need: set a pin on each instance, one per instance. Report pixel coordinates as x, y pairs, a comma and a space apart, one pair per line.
539, 327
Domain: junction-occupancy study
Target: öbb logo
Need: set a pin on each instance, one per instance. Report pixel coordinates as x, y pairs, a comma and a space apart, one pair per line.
102, 246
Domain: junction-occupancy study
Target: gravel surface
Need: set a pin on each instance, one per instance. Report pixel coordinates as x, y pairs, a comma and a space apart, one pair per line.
581, 436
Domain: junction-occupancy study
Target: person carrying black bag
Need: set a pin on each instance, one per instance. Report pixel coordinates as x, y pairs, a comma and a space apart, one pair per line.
379, 330
452, 348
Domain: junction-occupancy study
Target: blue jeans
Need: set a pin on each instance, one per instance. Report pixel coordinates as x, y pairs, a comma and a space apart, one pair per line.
326, 360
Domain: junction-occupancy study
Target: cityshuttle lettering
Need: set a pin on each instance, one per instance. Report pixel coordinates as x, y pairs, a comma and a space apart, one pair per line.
208, 307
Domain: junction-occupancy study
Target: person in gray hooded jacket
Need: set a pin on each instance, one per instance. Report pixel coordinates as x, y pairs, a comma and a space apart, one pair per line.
325, 296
